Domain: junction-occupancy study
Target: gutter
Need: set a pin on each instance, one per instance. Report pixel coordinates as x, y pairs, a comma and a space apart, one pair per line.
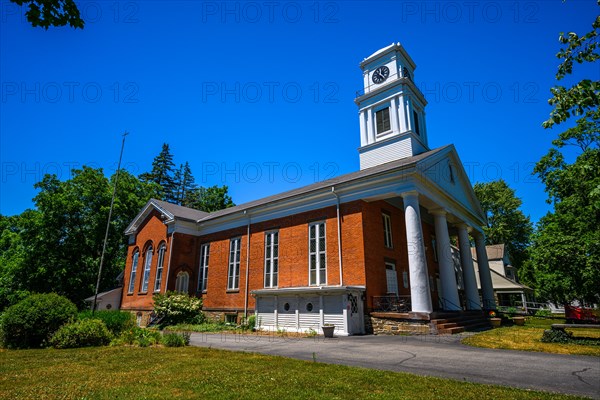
247, 265
339, 234
170, 257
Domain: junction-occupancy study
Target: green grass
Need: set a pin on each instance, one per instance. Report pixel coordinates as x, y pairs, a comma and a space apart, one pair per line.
190, 372
528, 338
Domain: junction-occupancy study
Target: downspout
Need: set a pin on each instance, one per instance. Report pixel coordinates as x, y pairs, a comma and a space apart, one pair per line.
339, 233
247, 265
169, 263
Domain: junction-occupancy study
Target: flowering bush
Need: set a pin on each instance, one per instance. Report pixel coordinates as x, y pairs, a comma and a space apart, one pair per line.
178, 308
492, 314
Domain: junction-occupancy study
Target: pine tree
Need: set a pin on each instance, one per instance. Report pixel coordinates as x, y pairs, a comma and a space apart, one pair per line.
162, 173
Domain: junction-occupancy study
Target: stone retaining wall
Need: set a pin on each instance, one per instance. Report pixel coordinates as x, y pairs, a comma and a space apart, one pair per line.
384, 326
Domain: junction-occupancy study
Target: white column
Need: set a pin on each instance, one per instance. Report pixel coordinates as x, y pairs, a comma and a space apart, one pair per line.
370, 126
444, 253
364, 139
394, 114
417, 263
485, 277
402, 114
466, 261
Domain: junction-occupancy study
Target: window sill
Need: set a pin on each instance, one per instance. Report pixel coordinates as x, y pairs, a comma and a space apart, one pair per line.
228, 291
142, 293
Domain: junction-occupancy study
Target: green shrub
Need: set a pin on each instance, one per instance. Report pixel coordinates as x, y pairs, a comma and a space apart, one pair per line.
543, 312
116, 321
556, 336
137, 336
173, 339
32, 321
178, 308
84, 333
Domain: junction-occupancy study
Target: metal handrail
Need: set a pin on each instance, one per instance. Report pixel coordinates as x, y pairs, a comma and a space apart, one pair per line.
393, 303
472, 303
445, 302
396, 75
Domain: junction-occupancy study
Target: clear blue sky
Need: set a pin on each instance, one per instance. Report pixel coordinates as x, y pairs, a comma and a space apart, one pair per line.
259, 95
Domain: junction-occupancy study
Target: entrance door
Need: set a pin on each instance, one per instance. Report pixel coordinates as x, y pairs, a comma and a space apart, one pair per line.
355, 314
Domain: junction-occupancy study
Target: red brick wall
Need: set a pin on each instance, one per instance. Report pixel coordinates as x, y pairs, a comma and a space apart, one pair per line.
376, 254
151, 232
363, 255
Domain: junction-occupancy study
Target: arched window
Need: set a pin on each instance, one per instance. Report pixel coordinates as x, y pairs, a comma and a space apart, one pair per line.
147, 264
134, 264
159, 267
182, 282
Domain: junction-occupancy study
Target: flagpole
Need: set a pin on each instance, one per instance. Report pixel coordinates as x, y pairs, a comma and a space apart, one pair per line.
112, 202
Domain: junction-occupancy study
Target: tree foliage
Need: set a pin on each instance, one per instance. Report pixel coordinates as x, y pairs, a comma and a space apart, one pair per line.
210, 199
583, 97
565, 252
57, 246
506, 223
178, 186
163, 169
47, 13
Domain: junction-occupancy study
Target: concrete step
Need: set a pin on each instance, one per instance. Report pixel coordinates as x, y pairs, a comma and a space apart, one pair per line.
451, 331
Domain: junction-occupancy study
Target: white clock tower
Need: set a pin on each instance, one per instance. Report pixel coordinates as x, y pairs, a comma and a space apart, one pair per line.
391, 108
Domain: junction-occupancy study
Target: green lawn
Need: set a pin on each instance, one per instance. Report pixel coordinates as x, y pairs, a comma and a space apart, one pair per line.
190, 372
527, 338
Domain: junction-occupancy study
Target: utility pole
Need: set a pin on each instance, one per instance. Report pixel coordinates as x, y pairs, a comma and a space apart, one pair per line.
112, 202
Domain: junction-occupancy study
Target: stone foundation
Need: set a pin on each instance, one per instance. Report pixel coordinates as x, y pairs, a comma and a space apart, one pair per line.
385, 326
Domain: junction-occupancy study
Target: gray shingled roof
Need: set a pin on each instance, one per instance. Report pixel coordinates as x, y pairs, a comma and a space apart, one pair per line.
180, 212
378, 169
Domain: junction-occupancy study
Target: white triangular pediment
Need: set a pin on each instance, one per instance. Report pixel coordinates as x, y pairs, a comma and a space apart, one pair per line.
445, 171
150, 206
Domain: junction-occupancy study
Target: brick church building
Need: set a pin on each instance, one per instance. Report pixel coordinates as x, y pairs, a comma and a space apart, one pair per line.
338, 251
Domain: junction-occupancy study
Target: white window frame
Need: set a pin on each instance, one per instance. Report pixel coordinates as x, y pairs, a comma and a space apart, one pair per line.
389, 115
203, 271
233, 272
319, 266
147, 267
134, 265
159, 267
391, 285
182, 282
387, 231
271, 259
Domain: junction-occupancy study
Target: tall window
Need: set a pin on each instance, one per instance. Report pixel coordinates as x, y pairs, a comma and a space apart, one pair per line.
387, 230
203, 276
271, 258
147, 264
317, 258
159, 267
134, 265
416, 119
182, 282
391, 278
233, 277
382, 118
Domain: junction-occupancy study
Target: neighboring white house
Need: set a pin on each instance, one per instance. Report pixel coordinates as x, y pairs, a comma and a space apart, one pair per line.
110, 300
507, 290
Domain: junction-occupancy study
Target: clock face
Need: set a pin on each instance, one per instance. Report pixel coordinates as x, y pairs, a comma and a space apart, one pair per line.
381, 74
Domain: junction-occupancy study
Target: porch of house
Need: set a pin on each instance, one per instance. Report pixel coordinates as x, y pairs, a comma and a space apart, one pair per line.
393, 315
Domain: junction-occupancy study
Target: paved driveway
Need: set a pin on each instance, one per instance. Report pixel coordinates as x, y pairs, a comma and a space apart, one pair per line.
441, 356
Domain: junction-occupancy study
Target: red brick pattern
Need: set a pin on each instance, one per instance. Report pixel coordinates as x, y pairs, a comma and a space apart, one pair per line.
363, 255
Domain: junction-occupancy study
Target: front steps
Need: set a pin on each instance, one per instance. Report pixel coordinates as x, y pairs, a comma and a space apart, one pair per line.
444, 323
436, 323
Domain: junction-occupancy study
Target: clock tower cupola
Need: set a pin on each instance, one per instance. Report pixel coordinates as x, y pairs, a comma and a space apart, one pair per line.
391, 108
